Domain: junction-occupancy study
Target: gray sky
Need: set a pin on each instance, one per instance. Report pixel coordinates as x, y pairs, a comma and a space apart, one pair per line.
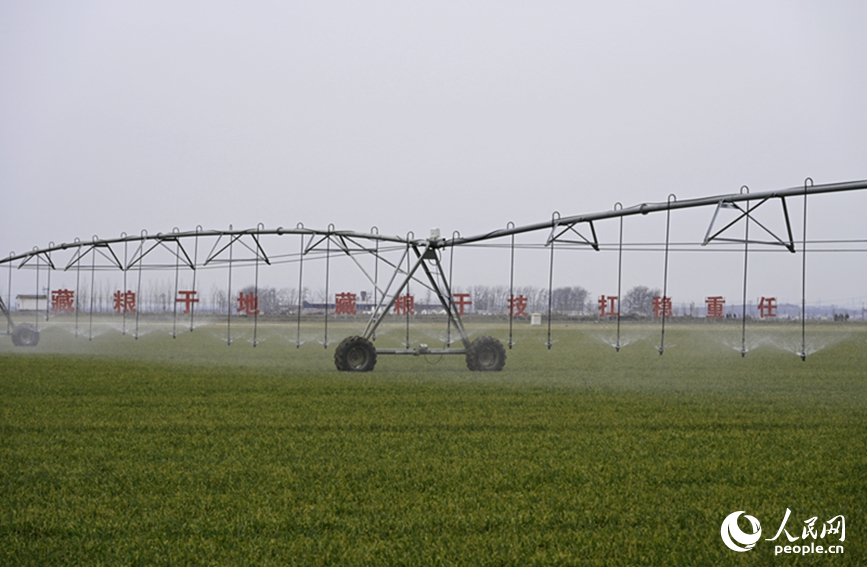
122, 116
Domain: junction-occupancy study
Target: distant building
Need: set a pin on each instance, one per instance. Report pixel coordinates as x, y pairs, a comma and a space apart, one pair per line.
31, 302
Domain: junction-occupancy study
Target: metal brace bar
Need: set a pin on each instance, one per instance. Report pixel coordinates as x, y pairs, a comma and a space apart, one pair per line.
113, 259
139, 259
747, 214
377, 318
261, 250
421, 351
450, 307
6, 314
311, 246
213, 256
341, 243
190, 263
378, 309
584, 240
76, 258
348, 252
45, 254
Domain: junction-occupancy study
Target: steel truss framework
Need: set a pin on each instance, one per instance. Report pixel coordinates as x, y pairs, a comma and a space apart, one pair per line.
421, 262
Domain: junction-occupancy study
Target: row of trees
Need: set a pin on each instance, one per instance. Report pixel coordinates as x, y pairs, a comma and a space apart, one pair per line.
159, 297
573, 300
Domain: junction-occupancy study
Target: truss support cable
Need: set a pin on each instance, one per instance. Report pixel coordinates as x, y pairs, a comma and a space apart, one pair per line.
406, 296
665, 299
256, 290
9, 295
175, 296
36, 295
138, 287
327, 277
300, 292
77, 303
744, 297
619, 277
455, 234
195, 272
48, 292
229, 296
92, 291
550, 292
511, 283
125, 270
375, 275
807, 183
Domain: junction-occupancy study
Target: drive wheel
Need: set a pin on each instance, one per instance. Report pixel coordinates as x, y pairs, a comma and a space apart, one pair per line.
486, 354
25, 335
355, 354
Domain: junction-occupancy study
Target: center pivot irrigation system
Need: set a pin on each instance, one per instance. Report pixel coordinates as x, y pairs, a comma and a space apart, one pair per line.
421, 261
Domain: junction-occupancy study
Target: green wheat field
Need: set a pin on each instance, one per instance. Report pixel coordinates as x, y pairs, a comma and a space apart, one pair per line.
187, 451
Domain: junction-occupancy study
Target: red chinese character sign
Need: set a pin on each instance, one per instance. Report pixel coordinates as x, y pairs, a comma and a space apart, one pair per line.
606, 306
248, 303
517, 306
188, 298
344, 304
462, 300
124, 302
405, 305
662, 306
62, 301
715, 306
768, 307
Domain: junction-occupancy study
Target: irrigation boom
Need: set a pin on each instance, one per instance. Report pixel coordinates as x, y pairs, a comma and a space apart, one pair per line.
421, 262
672, 204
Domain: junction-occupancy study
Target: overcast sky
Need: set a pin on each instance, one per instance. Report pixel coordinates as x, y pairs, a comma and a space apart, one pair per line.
122, 116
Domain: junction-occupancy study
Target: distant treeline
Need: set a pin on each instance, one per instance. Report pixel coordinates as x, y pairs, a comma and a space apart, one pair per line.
160, 297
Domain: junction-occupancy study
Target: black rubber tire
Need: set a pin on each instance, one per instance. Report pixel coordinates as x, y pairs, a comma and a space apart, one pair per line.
25, 335
486, 354
355, 354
